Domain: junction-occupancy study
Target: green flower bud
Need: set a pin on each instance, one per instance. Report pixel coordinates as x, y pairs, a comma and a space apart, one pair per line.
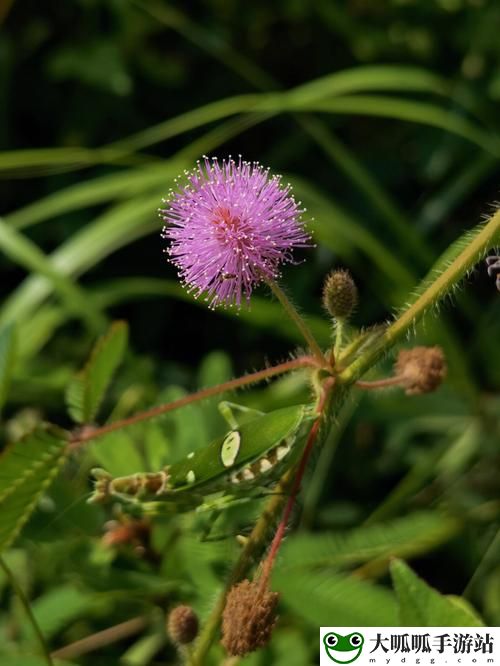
340, 294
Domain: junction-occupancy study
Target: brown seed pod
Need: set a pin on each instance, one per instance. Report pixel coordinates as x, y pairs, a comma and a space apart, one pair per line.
248, 618
340, 294
182, 625
422, 369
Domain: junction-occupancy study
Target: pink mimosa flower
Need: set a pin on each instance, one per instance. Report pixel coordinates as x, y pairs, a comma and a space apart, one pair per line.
231, 226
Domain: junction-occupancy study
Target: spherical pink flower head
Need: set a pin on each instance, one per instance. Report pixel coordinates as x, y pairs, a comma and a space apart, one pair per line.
230, 227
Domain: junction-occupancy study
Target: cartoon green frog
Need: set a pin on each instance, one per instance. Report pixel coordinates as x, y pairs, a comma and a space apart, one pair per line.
343, 649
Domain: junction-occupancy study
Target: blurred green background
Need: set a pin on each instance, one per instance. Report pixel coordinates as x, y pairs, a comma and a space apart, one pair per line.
384, 117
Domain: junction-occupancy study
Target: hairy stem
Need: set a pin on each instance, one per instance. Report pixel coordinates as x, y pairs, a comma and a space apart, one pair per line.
339, 331
252, 378
487, 238
29, 613
298, 321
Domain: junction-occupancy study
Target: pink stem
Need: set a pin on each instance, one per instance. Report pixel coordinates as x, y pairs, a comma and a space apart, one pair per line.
280, 532
397, 380
91, 433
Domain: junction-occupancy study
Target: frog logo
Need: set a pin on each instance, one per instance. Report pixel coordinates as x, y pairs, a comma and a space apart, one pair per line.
343, 649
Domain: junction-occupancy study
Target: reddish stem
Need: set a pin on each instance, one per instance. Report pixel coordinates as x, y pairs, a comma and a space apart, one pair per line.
101, 638
397, 380
280, 532
252, 378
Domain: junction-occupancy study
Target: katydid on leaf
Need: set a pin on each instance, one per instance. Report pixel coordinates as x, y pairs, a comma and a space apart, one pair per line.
252, 454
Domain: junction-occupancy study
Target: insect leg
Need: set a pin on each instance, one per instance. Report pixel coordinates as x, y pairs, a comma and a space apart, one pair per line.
493, 264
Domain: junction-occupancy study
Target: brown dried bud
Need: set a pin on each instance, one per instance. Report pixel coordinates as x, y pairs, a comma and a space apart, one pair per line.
340, 294
248, 618
182, 625
422, 369
126, 532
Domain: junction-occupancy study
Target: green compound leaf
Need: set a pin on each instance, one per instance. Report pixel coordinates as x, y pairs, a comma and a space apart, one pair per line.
27, 468
404, 537
7, 355
86, 392
324, 598
422, 606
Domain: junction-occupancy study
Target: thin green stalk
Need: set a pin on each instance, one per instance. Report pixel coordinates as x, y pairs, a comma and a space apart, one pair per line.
187, 652
339, 330
29, 613
440, 286
298, 321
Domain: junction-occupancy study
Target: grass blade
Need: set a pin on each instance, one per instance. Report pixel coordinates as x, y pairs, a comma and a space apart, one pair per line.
7, 357
27, 254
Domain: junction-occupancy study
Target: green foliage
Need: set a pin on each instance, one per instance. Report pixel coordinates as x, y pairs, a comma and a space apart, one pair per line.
7, 358
309, 571
422, 606
86, 392
393, 162
118, 453
27, 469
28, 255
412, 535
29, 660
59, 607
324, 598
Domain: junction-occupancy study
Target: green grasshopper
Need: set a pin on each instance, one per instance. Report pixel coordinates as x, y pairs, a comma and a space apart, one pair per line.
252, 454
